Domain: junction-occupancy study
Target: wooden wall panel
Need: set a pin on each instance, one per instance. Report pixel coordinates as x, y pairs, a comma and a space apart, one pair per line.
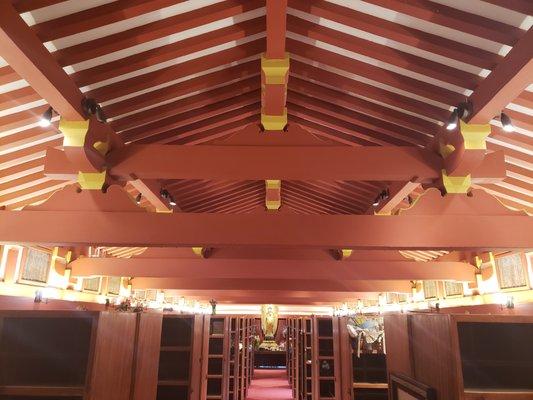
147, 356
397, 342
113, 357
432, 355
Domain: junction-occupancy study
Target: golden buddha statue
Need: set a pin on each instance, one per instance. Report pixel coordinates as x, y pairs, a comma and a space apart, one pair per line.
269, 325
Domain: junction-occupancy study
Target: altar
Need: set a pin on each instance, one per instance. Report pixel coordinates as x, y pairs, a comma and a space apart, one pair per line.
270, 352
270, 359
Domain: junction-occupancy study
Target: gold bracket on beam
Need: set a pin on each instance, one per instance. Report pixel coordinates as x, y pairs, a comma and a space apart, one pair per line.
274, 122
273, 194
456, 184
203, 252
75, 135
91, 180
474, 137
275, 69
74, 132
342, 254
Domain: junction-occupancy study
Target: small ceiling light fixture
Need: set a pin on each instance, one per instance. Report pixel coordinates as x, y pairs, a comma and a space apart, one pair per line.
167, 196
460, 112
507, 124
46, 118
138, 198
453, 121
91, 107
384, 195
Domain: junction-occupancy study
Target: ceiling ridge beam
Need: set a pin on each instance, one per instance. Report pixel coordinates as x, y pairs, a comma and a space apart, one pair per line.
275, 68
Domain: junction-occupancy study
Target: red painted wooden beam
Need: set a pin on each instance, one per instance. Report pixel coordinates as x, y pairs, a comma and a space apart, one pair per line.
505, 82
298, 285
195, 268
450, 232
153, 161
508, 79
276, 28
275, 68
25, 53
302, 297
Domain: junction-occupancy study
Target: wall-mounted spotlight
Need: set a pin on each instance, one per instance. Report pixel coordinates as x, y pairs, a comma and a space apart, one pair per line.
46, 118
460, 112
167, 196
384, 195
507, 124
138, 198
91, 107
453, 121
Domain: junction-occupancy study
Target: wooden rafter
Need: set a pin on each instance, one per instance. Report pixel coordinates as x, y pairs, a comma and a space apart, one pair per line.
505, 83
26, 54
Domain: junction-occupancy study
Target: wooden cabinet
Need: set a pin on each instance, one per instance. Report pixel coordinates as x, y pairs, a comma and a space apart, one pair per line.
234, 359
293, 349
464, 356
215, 366
80, 355
227, 360
245, 356
180, 360
300, 350
364, 377
300, 356
112, 365
66, 354
46, 354
326, 358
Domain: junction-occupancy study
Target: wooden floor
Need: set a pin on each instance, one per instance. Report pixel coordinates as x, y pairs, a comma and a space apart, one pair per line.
270, 384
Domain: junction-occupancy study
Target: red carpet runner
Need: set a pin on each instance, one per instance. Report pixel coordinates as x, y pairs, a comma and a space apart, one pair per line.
270, 384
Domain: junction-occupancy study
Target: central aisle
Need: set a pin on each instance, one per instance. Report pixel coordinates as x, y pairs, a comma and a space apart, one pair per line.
270, 384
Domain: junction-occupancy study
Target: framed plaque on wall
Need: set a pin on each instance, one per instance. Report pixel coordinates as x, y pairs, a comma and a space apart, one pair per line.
35, 267
113, 285
92, 284
511, 269
453, 288
430, 289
